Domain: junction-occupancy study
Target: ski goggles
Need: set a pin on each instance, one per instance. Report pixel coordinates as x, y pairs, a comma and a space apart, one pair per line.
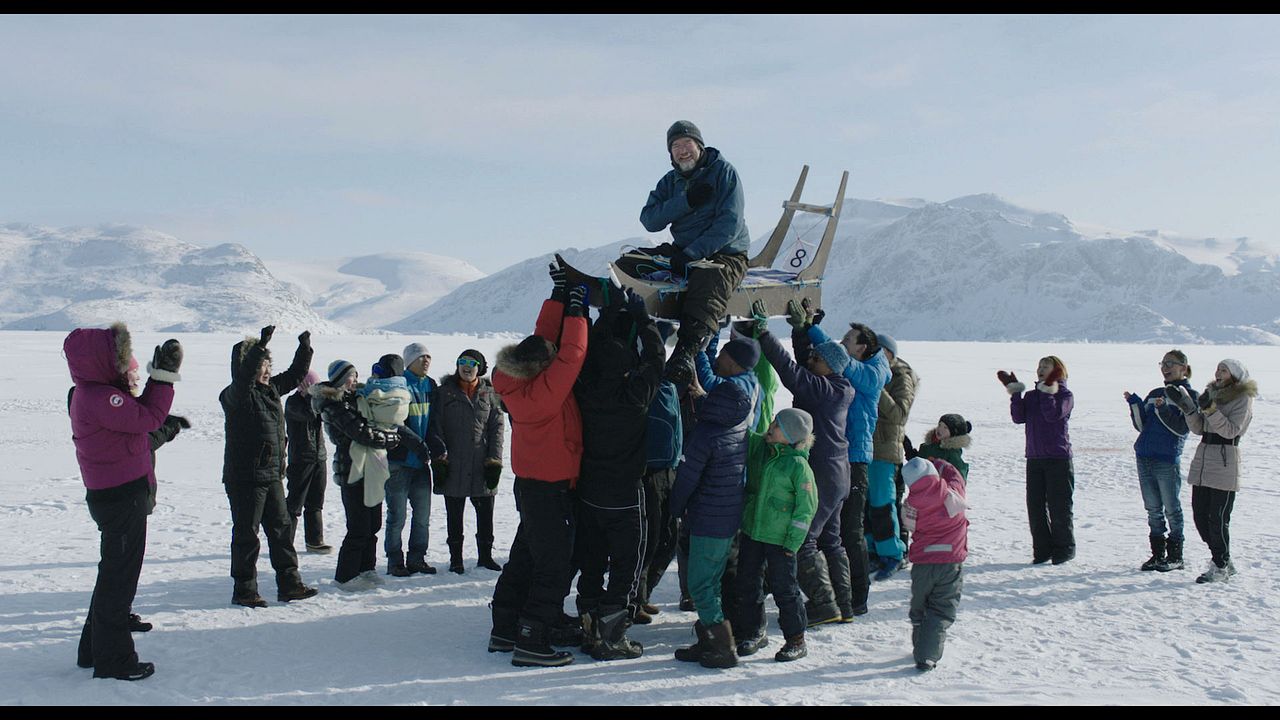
468, 362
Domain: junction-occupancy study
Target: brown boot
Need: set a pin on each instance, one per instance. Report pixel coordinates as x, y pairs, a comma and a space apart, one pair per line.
723, 652
694, 652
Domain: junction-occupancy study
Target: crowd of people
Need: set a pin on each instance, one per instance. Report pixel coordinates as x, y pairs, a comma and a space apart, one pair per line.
625, 459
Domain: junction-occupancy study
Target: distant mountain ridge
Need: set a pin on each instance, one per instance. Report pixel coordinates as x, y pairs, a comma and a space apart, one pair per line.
59, 279
974, 268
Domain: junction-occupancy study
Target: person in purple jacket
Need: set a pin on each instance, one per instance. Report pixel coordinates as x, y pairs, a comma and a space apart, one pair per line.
110, 429
1051, 480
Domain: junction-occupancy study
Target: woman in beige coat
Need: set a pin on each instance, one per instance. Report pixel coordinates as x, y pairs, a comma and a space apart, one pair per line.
1220, 418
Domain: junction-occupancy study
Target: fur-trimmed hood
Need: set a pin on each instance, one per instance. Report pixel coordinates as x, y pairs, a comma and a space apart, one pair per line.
955, 442
1234, 391
322, 393
508, 365
240, 349
99, 355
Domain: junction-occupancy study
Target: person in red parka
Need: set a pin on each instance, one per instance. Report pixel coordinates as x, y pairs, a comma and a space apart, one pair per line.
535, 379
110, 429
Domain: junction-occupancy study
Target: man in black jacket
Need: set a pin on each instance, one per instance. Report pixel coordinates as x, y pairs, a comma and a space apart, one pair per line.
614, 391
305, 471
253, 467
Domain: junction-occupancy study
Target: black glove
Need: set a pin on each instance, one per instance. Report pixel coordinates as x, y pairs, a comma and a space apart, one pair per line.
558, 275
265, 337
665, 250
305, 339
796, 316
168, 357
576, 307
439, 469
908, 449
558, 280
635, 307
180, 421
492, 473
759, 317
700, 194
1206, 401
679, 263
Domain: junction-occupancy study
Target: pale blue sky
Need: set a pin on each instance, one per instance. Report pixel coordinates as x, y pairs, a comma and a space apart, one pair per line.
494, 138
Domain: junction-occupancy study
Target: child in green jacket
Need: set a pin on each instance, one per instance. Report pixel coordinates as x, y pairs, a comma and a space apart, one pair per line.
782, 499
948, 441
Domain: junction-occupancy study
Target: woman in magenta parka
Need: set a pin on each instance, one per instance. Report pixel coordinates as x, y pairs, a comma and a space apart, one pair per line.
110, 429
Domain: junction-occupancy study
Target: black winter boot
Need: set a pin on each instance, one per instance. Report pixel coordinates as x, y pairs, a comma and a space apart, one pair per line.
506, 626
455, 557
313, 530
723, 652
680, 365
751, 645
841, 581
566, 632
1157, 554
532, 649
484, 547
246, 594
396, 566
1172, 557
693, 653
793, 650
815, 581
590, 631
613, 643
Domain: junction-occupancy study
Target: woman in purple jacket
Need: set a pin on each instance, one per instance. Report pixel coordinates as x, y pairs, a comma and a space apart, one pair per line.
1050, 477
110, 429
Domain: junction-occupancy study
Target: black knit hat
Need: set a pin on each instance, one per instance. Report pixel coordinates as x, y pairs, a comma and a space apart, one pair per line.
532, 349
684, 128
478, 357
388, 366
956, 424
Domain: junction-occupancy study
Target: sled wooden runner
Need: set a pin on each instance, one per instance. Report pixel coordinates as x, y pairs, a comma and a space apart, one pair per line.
763, 281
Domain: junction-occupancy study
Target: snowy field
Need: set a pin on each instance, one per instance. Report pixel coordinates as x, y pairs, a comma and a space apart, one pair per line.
1092, 631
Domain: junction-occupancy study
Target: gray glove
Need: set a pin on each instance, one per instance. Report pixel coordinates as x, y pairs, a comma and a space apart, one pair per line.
1179, 396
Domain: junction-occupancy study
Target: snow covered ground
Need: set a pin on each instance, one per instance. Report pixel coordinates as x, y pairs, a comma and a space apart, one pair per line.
1093, 631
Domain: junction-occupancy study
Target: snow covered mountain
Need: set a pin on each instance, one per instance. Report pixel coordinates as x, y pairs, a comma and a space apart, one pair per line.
374, 291
508, 300
59, 279
974, 268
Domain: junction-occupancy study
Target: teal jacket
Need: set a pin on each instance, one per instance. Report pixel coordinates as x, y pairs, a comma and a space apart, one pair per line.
782, 497
868, 378
717, 226
423, 390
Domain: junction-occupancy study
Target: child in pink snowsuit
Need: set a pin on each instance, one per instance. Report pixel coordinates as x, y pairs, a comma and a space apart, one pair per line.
935, 514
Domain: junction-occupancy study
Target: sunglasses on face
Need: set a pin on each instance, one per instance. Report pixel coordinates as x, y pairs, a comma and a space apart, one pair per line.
468, 362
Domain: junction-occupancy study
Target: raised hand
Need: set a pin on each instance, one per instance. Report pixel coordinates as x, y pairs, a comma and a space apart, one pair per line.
759, 317
265, 336
305, 338
797, 318
168, 357
635, 306
576, 307
557, 274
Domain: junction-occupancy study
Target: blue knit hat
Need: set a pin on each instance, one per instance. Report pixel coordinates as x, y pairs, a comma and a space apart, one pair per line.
834, 354
338, 370
888, 343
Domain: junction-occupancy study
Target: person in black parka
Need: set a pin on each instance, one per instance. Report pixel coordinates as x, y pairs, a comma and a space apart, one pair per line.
305, 471
614, 391
253, 467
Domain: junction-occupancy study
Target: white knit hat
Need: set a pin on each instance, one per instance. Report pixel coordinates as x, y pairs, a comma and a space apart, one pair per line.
1237, 369
413, 351
917, 468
